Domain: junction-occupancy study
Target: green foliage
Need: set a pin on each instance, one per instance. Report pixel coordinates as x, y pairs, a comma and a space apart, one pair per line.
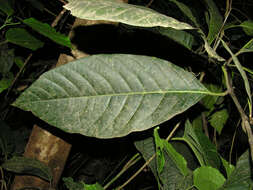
21, 37
240, 177
247, 27
207, 178
71, 185
219, 119
48, 31
108, 96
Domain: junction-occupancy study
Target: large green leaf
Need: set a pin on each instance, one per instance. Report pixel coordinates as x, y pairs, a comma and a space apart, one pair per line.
112, 10
48, 31
108, 96
241, 176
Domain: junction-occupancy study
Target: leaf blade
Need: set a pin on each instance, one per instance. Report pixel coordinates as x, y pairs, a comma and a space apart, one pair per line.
48, 31
109, 96
122, 12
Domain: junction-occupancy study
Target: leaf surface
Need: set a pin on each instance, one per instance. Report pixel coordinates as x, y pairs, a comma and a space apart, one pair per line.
208, 178
112, 10
108, 96
48, 31
215, 21
21, 37
175, 174
240, 177
203, 149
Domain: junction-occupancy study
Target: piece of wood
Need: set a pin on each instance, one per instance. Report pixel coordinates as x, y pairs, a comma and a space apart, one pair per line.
49, 149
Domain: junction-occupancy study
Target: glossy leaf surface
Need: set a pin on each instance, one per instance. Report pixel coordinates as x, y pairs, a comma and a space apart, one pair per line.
108, 96
112, 10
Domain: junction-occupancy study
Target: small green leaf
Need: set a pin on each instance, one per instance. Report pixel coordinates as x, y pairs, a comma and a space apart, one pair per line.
186, 10
182, 37
215, 21
247, 27
177, 158
5, 6
203, 149
228, 167
6, 82
173, 174
112, 10
219, 119
208, 178
21, 37
19, 62
160, 160
48, 31
6, 60
241, 176
209, 101
22, 165
71, 185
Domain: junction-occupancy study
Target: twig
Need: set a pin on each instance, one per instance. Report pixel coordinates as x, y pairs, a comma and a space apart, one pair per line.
56, 20
245, 120
150, 2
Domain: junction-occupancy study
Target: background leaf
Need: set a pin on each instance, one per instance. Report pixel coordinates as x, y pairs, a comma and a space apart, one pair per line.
6, 81
5, 6
48, 31
182, 37
172, 177
108, 96
247, 27
22, 165
240, 178
219, 119
204, 150
186, 10
21, 37
112, 10
6, 60
215, 21
208, 178
228, 167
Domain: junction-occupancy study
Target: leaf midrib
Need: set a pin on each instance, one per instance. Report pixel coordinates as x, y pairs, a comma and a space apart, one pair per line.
130, 94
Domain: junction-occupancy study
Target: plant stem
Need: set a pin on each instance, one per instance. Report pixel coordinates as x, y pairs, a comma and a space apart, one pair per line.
245, 120
130, 163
